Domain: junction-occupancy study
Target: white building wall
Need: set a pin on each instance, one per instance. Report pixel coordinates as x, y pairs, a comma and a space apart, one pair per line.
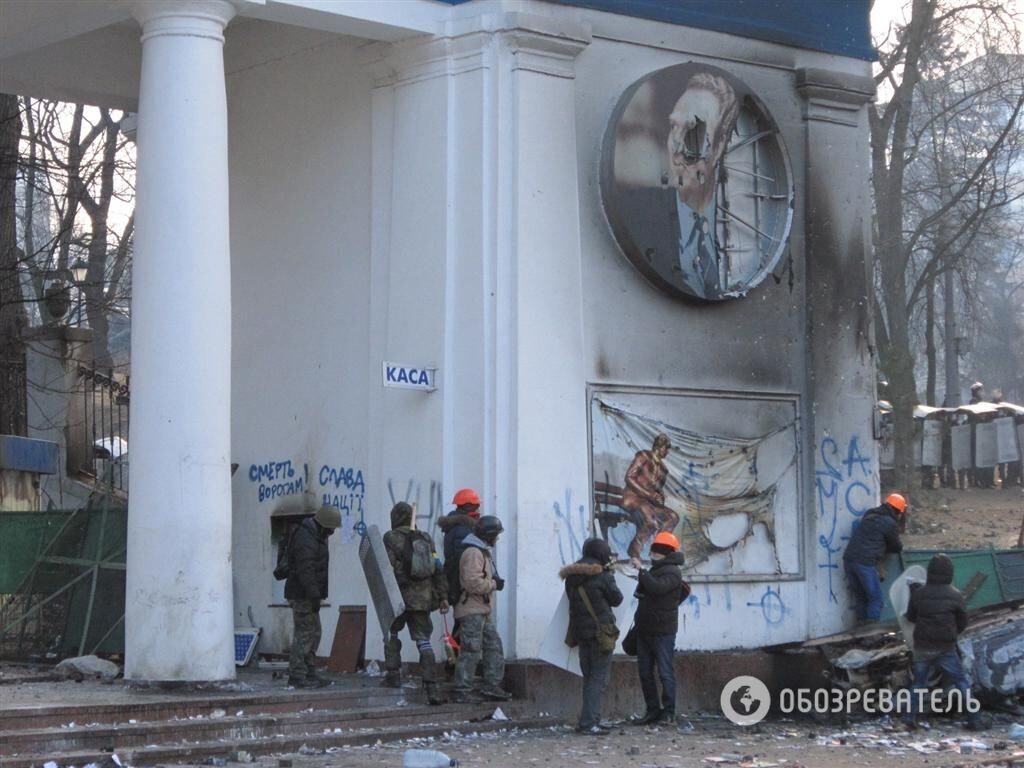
300, 241
436, 203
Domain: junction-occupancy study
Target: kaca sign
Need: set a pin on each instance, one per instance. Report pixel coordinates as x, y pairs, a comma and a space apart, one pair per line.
409, 377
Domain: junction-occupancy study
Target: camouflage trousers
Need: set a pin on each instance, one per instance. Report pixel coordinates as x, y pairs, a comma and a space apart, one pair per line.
420, 629
305, 638
478, 636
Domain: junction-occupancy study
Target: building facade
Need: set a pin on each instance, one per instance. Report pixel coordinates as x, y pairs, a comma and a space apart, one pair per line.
388, 250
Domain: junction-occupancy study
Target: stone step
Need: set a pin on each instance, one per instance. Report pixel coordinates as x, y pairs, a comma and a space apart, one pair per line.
280, 743
203, 705
107, 737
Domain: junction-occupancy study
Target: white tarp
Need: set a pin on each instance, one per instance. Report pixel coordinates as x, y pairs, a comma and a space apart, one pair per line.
553, 649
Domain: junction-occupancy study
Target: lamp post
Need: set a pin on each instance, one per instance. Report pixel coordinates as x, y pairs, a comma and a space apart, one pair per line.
79, 271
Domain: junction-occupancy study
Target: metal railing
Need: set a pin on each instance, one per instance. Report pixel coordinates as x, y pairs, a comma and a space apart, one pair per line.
103, 427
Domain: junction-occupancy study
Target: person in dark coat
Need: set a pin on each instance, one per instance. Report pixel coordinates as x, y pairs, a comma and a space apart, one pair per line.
306, 586
872, 539
456, 526
660, 591
424, 589
592, 573
939, 614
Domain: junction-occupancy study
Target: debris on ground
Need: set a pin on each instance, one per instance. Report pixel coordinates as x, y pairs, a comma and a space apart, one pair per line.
81, 667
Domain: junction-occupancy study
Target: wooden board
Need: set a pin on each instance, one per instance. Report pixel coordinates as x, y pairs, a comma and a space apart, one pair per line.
348, 652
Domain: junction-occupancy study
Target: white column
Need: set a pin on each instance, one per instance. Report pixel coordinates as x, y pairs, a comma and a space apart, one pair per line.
179, 616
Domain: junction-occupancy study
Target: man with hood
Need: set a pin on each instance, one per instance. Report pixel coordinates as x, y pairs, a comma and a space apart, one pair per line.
478, 636
457, 525
424, 589
594, 575
875, 536
306, 586
660, 591
939, 614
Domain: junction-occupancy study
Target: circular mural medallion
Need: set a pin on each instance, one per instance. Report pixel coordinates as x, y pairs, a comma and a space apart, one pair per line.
696, 183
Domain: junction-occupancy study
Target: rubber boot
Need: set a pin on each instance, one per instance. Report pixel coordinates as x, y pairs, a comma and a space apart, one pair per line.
428, 668
393, 662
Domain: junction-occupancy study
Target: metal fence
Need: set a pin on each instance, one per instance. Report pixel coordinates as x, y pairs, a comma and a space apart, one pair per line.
104, 426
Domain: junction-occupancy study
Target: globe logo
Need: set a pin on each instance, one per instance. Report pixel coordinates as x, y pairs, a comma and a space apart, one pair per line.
745, 700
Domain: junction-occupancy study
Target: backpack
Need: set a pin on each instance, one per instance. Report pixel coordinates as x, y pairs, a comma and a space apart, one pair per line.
281, 570
419, 556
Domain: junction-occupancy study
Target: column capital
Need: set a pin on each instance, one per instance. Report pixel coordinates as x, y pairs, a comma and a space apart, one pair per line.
833, 97
188, 18
537, 43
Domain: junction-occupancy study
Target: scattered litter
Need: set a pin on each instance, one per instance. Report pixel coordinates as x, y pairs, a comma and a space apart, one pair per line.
372, 669
499, 715
1016, 732
217, 714
633, 751
305, 749
426, 758
50, 764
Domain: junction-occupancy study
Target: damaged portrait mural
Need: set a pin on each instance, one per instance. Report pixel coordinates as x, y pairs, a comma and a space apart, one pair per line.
696, 183
719, 471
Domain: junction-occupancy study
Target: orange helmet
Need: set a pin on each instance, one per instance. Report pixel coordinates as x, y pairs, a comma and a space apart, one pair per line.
466, 496
666, 539
897, 502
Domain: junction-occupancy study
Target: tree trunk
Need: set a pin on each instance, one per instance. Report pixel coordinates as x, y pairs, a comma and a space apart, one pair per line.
931, 396
12, 307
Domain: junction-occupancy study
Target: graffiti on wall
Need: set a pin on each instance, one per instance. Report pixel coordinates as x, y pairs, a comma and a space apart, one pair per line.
344, 488
278, 479
572, 528
844, 486
724, 497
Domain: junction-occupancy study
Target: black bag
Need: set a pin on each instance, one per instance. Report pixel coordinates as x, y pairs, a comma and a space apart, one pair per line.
607, 633
281, 569
629, 641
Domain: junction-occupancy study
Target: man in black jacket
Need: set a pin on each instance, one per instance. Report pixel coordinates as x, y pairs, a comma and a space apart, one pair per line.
593, 574
876, 535
456, 526
308, 558
940, 615
660, 591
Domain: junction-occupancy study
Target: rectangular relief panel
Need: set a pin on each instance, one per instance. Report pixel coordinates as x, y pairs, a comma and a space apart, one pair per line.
719, 470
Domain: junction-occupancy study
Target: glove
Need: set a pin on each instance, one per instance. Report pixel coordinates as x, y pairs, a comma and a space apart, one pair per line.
499, 583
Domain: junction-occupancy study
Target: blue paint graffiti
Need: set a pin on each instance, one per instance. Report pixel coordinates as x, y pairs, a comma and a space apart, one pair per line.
839, 494
771, 605
344, 488
574, 531
275, 479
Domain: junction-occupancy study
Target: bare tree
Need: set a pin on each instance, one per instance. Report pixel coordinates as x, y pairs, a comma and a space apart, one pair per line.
76, 160
12, 311
942, 147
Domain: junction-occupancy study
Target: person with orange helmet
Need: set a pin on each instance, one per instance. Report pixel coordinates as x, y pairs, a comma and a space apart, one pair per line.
660, 591
456, 526
872, 539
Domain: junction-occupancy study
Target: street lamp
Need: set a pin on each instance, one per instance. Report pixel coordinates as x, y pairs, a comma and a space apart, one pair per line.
79, 271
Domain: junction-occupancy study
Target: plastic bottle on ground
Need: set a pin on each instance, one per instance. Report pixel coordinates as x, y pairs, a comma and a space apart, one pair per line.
427, 758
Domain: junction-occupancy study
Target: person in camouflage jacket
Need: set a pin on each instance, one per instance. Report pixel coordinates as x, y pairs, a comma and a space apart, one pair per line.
420, 595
